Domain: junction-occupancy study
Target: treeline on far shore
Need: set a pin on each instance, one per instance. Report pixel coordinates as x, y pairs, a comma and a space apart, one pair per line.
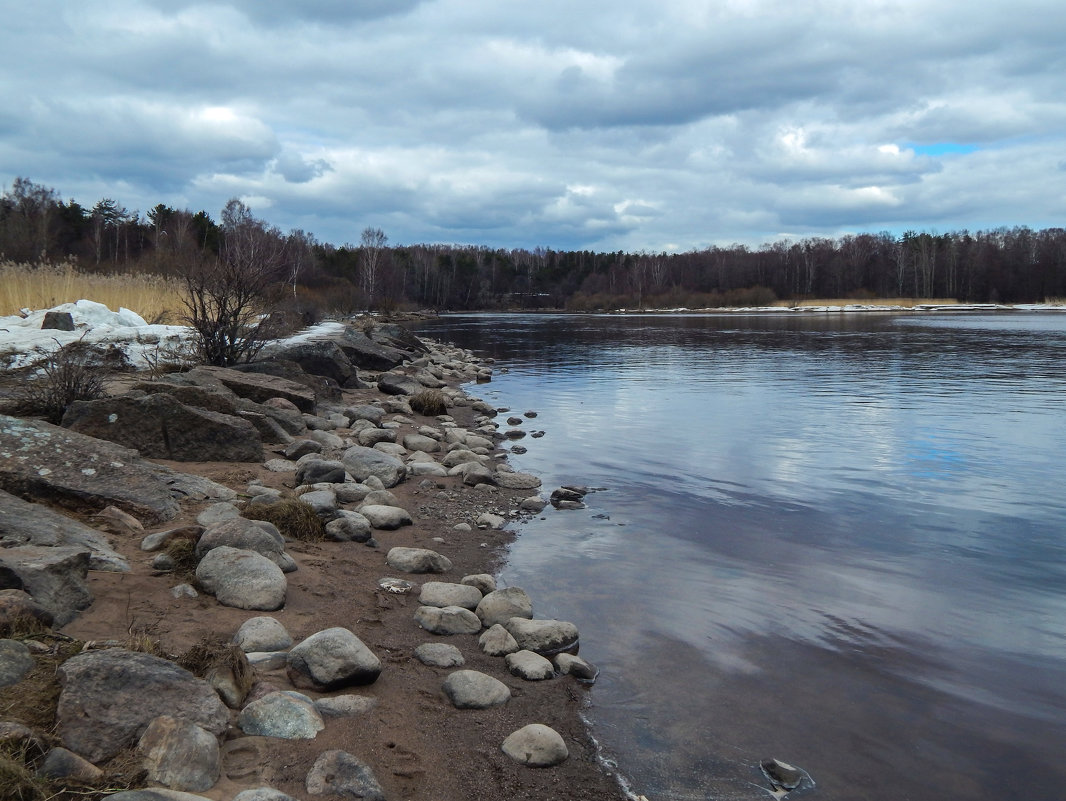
1006, 265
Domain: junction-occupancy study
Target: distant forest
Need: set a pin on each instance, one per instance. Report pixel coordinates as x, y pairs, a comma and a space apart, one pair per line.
1008, 265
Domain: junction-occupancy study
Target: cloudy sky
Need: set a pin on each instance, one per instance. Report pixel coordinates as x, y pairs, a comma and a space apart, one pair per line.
629, 124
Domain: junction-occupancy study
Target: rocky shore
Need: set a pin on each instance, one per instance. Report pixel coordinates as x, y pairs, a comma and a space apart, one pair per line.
278, 583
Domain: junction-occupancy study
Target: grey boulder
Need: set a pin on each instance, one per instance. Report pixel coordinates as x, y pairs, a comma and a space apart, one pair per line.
471, 689
417, 560
536, 746
331, 659
242, 579
447, 620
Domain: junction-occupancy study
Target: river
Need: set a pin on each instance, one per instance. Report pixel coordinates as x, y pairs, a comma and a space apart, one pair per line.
838, 540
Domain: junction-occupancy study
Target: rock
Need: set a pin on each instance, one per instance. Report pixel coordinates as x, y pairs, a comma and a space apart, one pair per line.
119, 522
159, 427
179, 754
24, 523
470, 689
321, 471
364, 462
286, 715
323, 502
109, 697
255, 387
447, 620
348, 527
374, 414
497, 641
279, 465
44, 461
381, 498
16, 662
302, 447
262, 794
529, 666
155, 794
17, 609
439, 654
396, 336
782, 775
217, 513
242, 579
483, 581
440, 594
268, 660
340, 774
569, 664
345, 706
262, 634
184, 591
474, 474
543, 636
396, 586
421, 443
536, 746
367, 353
534, 504
60, 763
517, 481
56, 578
369, 437
331, 659
215, 399
244, 534
57, 321
159, 539
489, 520
417, 560
461, 456
386, 518
398, 384
318, 357
502, 605
427, 469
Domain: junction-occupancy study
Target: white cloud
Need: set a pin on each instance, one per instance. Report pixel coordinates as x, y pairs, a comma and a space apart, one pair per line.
467, 120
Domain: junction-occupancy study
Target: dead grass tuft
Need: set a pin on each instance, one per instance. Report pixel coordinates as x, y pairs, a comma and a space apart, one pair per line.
183, 551
429, 402
293, 518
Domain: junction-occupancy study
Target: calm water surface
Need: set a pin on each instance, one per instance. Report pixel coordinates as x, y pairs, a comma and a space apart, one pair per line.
835, 540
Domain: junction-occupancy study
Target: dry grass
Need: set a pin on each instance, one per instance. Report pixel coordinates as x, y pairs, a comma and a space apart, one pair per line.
42, 286
293, 518
907, 303
429, 402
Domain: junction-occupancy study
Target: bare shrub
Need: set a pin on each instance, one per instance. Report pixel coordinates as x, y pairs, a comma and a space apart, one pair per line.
429, 402
73, 372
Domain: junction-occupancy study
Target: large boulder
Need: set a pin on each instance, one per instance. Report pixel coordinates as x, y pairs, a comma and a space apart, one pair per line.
331, 659
109, 698
249, 535
55, 577
393, 383
39, 460
321, 357
216, 398
364, 462
386, 518
323, 388
396, 336
262, 634
160, 427
24, 523
242, 579
255, 387
368, 354
442, 593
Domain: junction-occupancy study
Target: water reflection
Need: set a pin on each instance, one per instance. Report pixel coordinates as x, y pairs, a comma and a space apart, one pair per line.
839, 541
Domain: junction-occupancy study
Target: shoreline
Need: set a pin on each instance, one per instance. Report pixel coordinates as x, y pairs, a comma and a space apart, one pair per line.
417, 744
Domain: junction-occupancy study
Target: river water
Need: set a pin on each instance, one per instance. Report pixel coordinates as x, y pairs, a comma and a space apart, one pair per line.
837, 540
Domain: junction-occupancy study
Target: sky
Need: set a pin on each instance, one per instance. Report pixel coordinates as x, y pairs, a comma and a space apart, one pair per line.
658, 125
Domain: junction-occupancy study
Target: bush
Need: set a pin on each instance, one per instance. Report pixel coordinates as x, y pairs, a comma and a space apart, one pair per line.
74, 372
429, 402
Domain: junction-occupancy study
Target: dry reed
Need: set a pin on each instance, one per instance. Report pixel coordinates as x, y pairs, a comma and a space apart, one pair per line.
906, 303
43, 286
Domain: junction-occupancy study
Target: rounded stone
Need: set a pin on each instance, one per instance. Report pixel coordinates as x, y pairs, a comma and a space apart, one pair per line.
471, 689
286, 715
529, 666
441, 594
502, 605
536, 746
439, 654
447, 620
331, 659
262, 634
417, 560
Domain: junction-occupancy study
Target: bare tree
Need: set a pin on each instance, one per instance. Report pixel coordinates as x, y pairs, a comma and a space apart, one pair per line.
372, 243
228, 299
